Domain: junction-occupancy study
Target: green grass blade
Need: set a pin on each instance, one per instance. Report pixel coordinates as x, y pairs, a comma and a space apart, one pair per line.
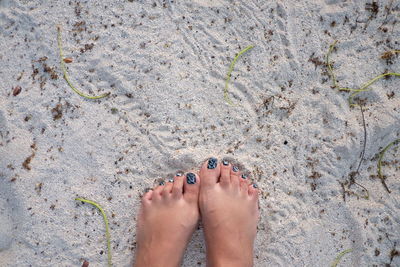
329, 65
339, 257
366, 85
382, 153
64, 70
363, 88
108, 237
228, 76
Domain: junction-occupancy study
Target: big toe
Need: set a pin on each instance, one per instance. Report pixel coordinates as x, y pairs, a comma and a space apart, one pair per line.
210, 172
191, 187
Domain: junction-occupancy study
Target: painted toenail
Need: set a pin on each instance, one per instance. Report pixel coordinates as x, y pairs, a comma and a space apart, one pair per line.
161, 183
212, 163
235, 169
179, 174
225, 162
171, 180
244, 176
255, 186
147, 189
191, 178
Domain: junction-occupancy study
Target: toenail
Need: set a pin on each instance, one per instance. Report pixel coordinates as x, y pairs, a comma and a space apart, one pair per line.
244, 176
255, 186
225, 162
190, 178
147, 189
161, 183
179, 174
212, 163
171, 180
235, 169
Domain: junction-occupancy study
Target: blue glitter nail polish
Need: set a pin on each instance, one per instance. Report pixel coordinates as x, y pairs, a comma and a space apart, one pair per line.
244, 176
225, 162
179, 174
235, 169
212, 163
171, 180
161, 183
255, 186
190, 178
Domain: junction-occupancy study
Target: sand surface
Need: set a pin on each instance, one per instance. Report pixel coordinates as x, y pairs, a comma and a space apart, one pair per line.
165, 64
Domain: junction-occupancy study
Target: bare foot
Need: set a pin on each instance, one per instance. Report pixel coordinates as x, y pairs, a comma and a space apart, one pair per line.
167, 219
229, 210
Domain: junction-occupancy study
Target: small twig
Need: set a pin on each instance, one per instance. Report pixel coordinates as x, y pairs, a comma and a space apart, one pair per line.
336, 85
365, 139
343, 191
64, 70
382, 153
363, 187
353, 174
105, 222
228, 76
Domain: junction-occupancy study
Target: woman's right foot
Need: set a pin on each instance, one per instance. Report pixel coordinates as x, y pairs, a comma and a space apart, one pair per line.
229, 209
167, 219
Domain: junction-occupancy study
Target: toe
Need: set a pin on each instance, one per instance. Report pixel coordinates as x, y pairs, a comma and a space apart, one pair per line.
244, 185
235, 176
168, 188
225, 177
210, 172
177, 188
146, 198
158, 190
253, 194
244, 178
253, 191
191, 187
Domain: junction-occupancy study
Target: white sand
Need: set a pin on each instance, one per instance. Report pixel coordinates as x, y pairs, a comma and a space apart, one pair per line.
165, 65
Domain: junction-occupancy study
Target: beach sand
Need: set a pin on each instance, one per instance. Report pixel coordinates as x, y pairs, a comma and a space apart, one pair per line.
165, 65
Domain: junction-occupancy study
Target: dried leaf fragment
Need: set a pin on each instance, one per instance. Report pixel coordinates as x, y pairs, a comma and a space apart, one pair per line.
17, 90
68, 60
26, 163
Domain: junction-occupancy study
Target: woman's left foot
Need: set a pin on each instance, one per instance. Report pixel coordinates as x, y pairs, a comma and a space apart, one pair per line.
167, 219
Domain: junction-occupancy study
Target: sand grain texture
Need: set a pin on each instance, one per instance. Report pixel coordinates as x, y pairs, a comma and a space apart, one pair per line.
164, 63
